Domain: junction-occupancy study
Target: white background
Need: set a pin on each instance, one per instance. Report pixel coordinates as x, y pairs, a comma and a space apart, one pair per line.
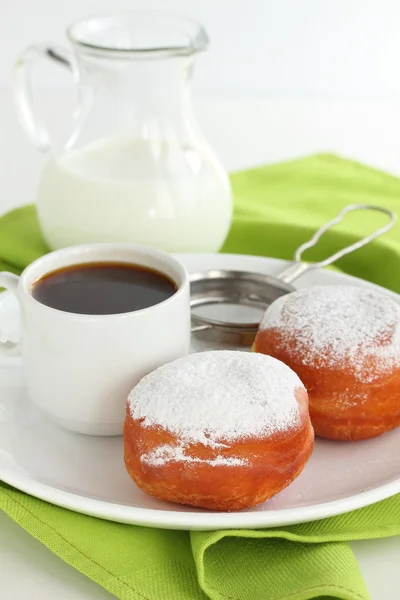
259, 47
282, 78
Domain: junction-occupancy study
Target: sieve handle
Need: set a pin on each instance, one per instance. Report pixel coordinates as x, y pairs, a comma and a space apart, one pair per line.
298, 267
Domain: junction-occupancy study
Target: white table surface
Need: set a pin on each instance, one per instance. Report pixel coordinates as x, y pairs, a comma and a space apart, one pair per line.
244, 131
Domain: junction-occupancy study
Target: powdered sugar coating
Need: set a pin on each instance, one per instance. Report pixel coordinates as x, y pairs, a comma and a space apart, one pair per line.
218, 396
338, 326
167, 453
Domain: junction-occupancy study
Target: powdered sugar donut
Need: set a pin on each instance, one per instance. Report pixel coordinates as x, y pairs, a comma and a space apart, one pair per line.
222, 430
344, 343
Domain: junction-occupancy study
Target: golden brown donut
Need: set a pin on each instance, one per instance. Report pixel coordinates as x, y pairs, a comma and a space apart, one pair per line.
344, 344
221, 430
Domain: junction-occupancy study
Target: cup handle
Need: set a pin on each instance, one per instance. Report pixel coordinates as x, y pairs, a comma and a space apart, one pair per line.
7, 347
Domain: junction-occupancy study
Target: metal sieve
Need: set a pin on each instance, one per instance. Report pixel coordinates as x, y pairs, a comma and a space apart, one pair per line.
254, 292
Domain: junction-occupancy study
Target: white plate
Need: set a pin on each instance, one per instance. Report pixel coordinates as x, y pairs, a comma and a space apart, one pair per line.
87, 474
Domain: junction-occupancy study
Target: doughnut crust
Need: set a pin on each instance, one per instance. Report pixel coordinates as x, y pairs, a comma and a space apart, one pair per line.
353, 379
216, 472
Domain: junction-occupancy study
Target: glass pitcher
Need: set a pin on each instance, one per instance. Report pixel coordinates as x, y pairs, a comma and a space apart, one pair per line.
135, 167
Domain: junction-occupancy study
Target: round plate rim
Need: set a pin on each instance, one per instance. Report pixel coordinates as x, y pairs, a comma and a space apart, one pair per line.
165, 519
207, 520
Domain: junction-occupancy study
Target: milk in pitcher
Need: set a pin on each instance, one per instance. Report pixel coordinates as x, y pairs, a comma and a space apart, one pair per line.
122, 190
135, 166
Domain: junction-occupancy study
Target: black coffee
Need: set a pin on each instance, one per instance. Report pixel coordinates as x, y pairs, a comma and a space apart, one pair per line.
103, 288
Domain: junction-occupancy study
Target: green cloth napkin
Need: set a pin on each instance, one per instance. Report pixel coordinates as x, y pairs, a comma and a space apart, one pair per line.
276, 208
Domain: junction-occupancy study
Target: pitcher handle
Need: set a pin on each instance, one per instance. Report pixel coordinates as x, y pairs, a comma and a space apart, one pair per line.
298, 267
30, 118
7, 347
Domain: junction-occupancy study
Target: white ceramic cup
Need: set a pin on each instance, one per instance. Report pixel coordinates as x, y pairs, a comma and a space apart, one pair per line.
80, 368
